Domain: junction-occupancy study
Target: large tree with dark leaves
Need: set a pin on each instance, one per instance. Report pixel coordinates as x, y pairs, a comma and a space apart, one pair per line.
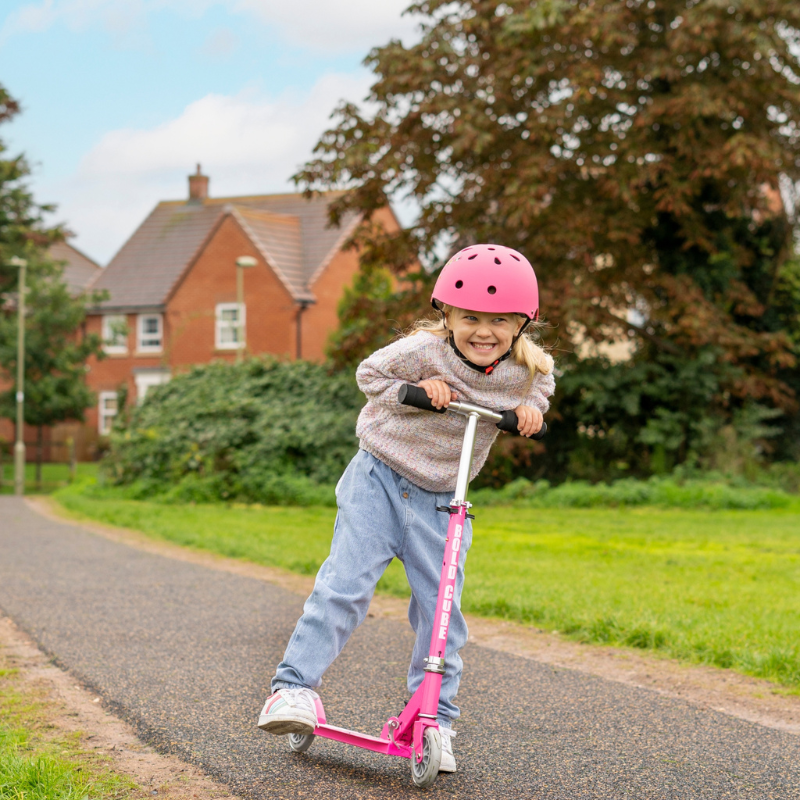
641, 154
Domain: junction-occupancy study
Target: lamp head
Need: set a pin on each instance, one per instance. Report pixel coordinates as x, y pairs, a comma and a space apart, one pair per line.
16, 261
246, 261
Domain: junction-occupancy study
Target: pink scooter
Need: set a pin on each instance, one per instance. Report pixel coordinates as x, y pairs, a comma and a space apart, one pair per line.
415, 733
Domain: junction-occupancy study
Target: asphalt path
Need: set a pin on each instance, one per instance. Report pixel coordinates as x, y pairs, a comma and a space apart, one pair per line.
185, 654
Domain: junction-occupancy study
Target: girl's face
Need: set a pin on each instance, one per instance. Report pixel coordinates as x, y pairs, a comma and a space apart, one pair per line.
482, 337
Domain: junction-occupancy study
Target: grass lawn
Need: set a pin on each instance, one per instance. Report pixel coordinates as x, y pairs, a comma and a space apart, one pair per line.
35, 764
54, 476
715, 587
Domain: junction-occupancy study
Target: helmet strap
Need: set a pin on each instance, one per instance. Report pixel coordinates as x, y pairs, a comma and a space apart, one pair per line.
486, 370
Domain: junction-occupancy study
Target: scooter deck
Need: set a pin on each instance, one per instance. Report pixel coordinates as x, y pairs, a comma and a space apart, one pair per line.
362, 740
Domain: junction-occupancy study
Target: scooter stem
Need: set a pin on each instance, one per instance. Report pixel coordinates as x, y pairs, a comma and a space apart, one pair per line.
465, 462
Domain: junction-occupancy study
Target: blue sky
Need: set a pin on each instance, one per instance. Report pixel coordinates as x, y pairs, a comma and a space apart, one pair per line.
121, 98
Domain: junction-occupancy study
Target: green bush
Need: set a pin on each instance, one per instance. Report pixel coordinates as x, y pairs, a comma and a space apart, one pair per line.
262, 431
665, 492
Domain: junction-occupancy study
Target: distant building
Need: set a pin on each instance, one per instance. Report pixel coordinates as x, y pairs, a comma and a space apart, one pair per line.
172, 292
79, 269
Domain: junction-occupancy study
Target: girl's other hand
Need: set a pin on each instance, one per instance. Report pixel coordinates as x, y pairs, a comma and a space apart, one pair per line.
439, 392
530, 420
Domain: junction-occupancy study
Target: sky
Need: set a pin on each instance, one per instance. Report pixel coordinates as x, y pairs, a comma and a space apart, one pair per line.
122, 98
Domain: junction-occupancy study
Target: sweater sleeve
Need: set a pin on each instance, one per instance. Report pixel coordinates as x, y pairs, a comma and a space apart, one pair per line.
379, 376
542, 387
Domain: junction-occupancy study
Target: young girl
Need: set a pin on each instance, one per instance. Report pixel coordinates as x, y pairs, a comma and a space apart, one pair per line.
406, 466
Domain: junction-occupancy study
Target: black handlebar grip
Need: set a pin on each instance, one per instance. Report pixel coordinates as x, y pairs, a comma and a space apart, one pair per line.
410, 395
510, 423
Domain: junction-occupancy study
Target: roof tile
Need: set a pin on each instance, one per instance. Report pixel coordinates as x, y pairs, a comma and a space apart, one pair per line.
79, 269
289, 230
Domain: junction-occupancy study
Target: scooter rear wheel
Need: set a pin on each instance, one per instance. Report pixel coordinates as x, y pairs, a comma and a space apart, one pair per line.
424, 773
300, 742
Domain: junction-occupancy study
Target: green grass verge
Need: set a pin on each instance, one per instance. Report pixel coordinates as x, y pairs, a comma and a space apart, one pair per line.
712, 587
35, 764
54, 476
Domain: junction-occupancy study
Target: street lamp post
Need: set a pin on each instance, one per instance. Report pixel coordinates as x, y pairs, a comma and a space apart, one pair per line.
19, 446
242, 263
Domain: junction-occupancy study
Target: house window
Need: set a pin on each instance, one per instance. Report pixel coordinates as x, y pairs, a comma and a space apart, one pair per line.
107, 412
115, 333
146, 379
230, 326
150, 333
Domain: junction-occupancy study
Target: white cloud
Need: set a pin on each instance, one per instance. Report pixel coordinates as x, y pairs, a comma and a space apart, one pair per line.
76, 15
220, 44
335, 25
246, 143
323, 25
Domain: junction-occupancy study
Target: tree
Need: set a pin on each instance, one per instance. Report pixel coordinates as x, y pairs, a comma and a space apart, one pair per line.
56, 350
22, 227
639, 153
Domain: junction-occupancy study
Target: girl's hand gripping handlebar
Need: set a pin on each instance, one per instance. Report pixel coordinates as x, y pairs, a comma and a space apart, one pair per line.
410, 395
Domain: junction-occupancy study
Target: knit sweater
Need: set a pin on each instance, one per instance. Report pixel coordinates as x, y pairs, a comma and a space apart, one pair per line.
423, 447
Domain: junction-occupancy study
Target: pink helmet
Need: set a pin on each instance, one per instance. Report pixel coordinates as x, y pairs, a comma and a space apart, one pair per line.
488, 277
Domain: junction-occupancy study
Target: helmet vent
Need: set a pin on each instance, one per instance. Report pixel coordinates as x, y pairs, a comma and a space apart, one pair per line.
492, 289
497, 260
459, 284
471, 257
490, 248
514, 257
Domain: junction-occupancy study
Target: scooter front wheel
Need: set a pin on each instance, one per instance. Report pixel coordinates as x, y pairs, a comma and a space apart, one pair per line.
300, 742
424, 773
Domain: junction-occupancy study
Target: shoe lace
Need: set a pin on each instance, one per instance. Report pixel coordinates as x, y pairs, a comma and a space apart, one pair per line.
302, 698
447, 737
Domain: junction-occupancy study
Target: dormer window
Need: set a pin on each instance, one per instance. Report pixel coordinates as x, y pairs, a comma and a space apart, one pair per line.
150, 333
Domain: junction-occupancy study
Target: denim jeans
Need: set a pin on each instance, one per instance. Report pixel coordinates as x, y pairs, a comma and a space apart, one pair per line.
381, 516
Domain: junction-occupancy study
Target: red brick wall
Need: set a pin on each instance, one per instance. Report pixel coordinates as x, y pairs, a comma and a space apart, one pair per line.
270, 310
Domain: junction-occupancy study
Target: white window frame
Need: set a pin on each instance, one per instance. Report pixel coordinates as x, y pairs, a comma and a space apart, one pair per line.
146, 380
141, 336
221, 325
105, 419
111, 344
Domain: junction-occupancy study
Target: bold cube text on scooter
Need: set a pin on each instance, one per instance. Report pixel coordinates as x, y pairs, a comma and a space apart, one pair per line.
451, 574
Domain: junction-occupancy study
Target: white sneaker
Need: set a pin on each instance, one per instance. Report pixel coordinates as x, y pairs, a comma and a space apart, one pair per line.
448, 763
289, 711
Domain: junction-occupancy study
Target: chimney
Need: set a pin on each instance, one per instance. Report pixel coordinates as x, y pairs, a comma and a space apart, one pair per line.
198, 187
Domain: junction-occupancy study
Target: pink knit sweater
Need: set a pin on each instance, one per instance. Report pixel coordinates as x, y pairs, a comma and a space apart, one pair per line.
425, 447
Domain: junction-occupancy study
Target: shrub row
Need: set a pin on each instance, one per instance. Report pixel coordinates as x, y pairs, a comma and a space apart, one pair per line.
261, 431
665, 492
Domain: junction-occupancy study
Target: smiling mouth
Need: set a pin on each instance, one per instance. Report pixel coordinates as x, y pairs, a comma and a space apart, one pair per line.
483, 346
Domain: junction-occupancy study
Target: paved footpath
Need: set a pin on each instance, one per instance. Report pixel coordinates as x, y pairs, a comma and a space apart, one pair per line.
185, 654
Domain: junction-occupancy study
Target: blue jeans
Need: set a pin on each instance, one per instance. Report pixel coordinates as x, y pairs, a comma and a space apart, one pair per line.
381, 516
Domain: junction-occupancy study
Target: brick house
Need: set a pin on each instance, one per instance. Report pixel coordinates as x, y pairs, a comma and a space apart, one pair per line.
172, 290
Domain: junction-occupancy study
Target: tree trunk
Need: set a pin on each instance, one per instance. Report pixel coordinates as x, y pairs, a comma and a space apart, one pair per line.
39, 454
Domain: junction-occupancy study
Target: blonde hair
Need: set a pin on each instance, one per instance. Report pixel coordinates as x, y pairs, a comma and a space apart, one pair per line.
525, 352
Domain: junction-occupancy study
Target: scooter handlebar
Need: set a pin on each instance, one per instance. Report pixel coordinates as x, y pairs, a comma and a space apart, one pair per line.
415, 396
410, 395
510, 423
